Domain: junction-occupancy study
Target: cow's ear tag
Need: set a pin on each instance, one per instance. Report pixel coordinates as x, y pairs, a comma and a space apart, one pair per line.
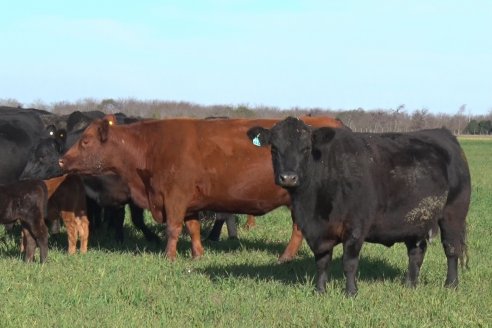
256, 140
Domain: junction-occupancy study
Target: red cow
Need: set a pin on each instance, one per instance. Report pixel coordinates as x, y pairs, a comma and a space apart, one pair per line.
177, 167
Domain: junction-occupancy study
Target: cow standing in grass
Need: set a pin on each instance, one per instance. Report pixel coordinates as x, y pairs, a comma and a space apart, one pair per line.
351, 187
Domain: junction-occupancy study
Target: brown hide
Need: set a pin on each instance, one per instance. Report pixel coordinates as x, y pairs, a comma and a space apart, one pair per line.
67, 201
53, 184
177, 167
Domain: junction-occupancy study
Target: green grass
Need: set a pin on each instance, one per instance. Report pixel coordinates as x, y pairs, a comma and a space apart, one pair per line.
239, 284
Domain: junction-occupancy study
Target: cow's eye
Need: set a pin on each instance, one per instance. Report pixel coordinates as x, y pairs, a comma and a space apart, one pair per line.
84, 142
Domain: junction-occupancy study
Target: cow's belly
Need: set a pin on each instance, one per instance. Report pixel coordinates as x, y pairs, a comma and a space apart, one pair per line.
241, 197
403, 226
238, 206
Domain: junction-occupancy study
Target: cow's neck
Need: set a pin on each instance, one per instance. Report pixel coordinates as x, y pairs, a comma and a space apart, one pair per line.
129, 160
314, 196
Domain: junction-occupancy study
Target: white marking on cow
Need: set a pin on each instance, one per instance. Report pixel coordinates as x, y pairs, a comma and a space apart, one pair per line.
256, 141
427, 209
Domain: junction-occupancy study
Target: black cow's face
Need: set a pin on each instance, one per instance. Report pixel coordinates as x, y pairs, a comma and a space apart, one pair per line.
43, 161
291, 147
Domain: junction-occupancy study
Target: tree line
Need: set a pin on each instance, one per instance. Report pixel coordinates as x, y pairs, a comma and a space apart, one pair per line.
399, 119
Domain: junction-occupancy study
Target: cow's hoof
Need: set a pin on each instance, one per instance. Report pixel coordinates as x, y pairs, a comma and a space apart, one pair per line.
285, 259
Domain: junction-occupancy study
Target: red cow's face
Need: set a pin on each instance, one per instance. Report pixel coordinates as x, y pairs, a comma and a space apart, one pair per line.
90, 154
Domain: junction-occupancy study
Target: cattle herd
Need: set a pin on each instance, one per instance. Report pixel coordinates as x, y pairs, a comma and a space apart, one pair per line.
341, 187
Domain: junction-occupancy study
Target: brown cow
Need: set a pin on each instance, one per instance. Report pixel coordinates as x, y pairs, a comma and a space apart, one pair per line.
67, 200
177, 167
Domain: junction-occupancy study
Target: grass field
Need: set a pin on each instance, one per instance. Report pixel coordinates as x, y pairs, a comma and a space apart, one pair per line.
239, 284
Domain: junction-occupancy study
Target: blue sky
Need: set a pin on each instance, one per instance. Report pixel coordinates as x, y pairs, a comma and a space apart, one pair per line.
338, 54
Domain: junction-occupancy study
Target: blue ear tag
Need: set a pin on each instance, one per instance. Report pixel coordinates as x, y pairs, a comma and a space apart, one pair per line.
256, 141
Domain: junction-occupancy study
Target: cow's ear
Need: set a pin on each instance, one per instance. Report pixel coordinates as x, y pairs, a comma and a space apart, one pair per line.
103, 130
322, 136
259, 136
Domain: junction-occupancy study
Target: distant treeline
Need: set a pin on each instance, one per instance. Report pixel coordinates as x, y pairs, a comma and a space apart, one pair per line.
398, 119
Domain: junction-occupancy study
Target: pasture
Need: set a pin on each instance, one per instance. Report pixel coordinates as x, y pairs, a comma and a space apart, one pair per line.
239, 283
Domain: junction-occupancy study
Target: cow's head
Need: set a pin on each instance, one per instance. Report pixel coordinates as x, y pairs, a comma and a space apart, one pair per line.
43, 161
293, 145
91, 152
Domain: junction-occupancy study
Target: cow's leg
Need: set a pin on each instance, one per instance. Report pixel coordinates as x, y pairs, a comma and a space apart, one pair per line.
137, 214
83, 229
41, 236
29, 244
214, 234
323, 261
53, 220
351, 250
115, 215
250, 222
293, 246
174, 225
35, 233
453, 236
193, 226
72, 230
416, 253
94, 211
231, 226
55, 226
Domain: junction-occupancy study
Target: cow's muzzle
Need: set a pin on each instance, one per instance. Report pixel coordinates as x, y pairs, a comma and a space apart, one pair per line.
289, 179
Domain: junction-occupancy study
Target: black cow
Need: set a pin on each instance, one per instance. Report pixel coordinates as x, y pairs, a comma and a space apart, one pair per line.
20, 131
27, 202
351, 187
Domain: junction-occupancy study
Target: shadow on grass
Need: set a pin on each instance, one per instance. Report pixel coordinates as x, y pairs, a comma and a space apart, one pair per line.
370, 269
296, 271
228, 245
103, 238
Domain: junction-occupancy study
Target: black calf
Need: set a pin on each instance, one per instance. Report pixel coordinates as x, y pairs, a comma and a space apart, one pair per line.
27, 202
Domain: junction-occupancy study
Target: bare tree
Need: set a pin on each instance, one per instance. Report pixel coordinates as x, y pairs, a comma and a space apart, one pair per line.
10, 102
